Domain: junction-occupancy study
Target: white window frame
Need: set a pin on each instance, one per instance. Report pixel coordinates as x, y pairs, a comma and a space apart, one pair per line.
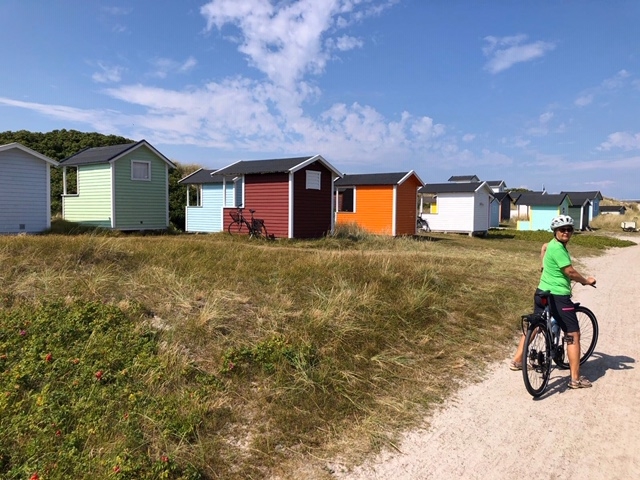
197, 189
237, 199
314, 180
133, 169
341, 190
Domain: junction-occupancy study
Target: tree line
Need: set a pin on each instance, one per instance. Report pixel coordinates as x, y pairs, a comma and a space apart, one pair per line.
61, 144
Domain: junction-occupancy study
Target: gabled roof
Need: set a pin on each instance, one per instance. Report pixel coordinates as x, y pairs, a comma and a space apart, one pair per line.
612, 208
580, 197
201, 176
109, 154
276, 165
463, 187
496, 183
396, 178
464, 178
501, 195
19, 146
541, 199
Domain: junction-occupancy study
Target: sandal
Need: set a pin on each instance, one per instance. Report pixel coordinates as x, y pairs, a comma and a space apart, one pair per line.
515, 366
582, 382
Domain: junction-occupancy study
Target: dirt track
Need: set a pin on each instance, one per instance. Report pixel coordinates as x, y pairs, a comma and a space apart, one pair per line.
495, 430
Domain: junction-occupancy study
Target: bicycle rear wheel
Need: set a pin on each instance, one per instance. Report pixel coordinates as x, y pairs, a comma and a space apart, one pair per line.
588, 336
235, 228
259, 230
536, 362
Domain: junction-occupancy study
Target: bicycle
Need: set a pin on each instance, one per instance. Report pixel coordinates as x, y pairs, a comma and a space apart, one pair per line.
545, 343
255, 226
422, 224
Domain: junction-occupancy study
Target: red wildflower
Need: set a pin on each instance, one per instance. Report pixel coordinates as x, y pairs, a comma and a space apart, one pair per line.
164, 458
48, 358
116, 469
34, 476
99, 374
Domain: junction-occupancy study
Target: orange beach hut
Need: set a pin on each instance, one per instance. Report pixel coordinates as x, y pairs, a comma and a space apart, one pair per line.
381, 203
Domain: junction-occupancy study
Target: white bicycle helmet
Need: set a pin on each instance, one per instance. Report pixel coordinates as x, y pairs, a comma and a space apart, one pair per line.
561, 221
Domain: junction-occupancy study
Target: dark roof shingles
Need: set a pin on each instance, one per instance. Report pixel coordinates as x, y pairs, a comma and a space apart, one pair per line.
277, 165
528, 198
97, 154
464, 187
201, 176
371, 179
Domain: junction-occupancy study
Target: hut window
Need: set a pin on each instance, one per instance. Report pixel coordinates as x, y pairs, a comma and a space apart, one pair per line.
313, 180
140, 170
346, 199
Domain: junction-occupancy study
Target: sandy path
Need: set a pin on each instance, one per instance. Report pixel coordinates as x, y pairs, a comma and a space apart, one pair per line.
495, 430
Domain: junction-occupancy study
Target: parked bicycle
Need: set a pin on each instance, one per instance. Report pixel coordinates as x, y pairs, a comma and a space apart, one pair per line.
545, 343
254, 226
422, 224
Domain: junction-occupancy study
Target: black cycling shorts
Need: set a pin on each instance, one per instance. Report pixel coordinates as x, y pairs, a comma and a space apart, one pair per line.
562, 309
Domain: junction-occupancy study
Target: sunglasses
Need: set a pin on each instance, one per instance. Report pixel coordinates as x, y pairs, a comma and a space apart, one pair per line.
565, 230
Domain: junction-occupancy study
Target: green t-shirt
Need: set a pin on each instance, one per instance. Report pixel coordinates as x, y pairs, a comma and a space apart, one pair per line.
553, 278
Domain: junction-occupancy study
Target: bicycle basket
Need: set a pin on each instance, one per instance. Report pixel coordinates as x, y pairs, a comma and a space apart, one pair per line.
234, 216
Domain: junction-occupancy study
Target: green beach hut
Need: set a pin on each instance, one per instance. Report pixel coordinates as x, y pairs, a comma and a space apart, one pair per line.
123, 187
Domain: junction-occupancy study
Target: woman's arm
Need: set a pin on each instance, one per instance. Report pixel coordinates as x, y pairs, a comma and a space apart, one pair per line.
574, 275
543, 250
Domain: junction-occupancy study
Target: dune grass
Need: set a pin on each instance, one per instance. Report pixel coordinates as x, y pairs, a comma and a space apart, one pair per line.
210, 356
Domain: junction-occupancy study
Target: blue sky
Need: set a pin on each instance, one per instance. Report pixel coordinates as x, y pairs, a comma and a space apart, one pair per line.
532, 93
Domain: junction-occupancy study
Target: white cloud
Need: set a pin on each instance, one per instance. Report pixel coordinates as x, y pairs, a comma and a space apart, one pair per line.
542, 126
469, 137
601, 184
617, 81
345, 43
545, 118
494, 158
101, 120
286, 40
623, 140
424, 129
620, 80
108, 74
584, 100
521, 142
165, 66
188, 64
283, 42
606, 164
505, 52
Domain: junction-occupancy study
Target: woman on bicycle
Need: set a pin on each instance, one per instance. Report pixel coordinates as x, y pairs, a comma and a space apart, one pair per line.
557, 275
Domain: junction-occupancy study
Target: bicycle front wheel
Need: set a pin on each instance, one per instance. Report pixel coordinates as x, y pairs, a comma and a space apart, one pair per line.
588, 335
536, 361
234, 228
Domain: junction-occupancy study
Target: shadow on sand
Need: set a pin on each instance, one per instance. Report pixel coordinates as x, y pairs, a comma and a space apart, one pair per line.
594, 368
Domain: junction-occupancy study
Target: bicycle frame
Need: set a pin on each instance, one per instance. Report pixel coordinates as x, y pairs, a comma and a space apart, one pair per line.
557, 346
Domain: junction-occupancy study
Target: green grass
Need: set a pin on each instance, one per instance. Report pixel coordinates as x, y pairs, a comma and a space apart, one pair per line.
223, 357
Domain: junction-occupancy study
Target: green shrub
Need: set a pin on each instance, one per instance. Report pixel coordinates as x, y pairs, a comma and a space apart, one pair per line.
79, 394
